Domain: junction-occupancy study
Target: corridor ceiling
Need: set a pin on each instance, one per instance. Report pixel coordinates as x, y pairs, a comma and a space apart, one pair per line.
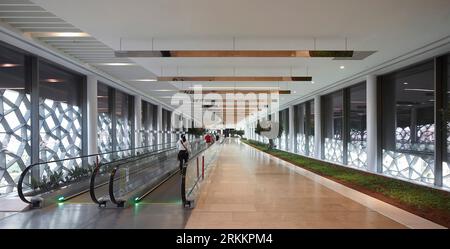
382, 30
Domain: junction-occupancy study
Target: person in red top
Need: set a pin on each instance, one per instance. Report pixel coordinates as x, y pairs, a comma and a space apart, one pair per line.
208, 138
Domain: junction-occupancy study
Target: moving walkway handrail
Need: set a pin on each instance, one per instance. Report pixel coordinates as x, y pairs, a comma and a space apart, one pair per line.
28, 168
112, 177
92, 185
183, 180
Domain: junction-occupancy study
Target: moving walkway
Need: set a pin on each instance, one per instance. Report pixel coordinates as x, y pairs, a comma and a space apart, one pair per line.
117, 179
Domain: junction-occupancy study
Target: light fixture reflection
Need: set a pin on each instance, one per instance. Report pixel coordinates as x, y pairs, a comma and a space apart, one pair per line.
7, 65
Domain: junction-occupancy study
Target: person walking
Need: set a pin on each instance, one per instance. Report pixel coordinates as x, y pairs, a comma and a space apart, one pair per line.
208, 138
183, 147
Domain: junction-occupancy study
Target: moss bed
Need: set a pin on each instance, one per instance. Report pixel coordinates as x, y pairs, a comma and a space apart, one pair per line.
432, 204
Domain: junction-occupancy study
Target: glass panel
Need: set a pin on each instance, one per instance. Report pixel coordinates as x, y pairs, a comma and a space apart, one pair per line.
333, 120
104, 121
357, 154
408, 123
15, 124
284, 122
446, 165
146, 119
301, 136
311, 148
60, 115
123, 123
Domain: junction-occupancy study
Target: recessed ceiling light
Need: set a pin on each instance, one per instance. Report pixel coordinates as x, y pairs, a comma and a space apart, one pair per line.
342, 67
9, 65
57, 34
405, 83
53, 80
312, 82
115, 64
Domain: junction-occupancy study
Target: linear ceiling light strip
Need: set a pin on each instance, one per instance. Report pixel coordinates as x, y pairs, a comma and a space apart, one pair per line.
236, 78
235, 53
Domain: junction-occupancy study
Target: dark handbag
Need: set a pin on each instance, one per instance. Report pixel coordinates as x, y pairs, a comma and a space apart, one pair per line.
184, 153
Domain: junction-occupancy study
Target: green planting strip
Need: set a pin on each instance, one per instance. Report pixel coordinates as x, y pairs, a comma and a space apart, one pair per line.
430, 203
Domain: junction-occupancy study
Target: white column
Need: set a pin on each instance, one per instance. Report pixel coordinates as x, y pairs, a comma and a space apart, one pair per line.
317, 128
371, 92
137, 120
291, 129
159, 122
92, 114
276, 116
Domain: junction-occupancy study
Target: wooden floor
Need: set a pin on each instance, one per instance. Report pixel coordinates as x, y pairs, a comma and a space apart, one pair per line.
249, 189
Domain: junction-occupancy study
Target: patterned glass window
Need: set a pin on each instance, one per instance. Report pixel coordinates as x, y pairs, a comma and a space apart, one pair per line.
104, 121
311, 149
446, 164
166, 126
151, 123
15, 124
357, 153
147, 135
304, 128
333, 124
408, 123
284, 122
123, 123
300, 121
60, 115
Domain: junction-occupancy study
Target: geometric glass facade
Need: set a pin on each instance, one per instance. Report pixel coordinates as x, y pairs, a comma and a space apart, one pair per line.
446, 102
15, 122
114, 123
284, 123
166, 126
408, 125
446, 157
357, 131
104, 121
304, 128
300, 129
149, 123
123, 122
60, 116
332, 120
310, 117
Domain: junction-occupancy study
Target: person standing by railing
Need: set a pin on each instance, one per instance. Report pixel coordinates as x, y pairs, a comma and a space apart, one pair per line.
184, 148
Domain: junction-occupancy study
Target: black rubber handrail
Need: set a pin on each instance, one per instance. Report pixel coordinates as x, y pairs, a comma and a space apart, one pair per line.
97, 169
28, 168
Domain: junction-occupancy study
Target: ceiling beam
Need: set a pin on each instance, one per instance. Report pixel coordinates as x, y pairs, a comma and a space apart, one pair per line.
235, 78
235, 53
238, 91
